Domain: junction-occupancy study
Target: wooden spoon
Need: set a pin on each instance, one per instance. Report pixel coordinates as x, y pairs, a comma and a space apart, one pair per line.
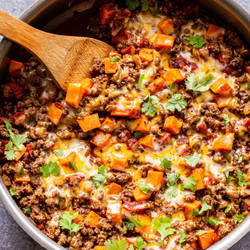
68, 58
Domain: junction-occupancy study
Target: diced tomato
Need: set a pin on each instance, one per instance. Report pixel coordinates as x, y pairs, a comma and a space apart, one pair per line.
29, 149
74, 179
131, 143
202, 127
228, 70
106, 13
193, 66
183, 64
15, 88
135, 207
224, 58
127, 50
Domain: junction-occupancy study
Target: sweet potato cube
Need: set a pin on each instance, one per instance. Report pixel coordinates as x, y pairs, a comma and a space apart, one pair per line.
166, 26
15, 68
109, 67
164, 41
223, 101
89, 122
100, 248
114, 211
92, 219
147, 141
108, 124
86, 85
157, 85
119, 163
22, 178
146, 55
114, 188
74, 94
221, 87
173, 76
198, 175
143, 125
172, 125
207, 239
194, 245
19, 154
71, 157
106, 13
101, 139
145, 221
78, 219
55, 113
248, 69
224, 142
139, 195
190, 207
154, 179
215, 32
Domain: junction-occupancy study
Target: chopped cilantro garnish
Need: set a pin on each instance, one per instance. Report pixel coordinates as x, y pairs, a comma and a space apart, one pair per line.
204, 83
136, 222
140, 243
144, 188
197, 119
239, 217
127, 226
241, 179
165, 163
132, 4
200, 232
213, 69
226, 119
66, 222
172, 86
20, 172
50, 168
192, 160
172, 185
27, 210
215, 222
228, 208
140, 82
58, 152
138, 134
100, 178
189, 184
229, 178
12, 191
155, 11
204, 207
115, 244
176, 102
248, 85
72, 165
197, 41
114, 59
145, 5
183, 238
240, 158
148, 106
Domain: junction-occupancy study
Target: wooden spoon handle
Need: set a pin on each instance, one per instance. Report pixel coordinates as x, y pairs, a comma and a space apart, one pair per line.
20, 32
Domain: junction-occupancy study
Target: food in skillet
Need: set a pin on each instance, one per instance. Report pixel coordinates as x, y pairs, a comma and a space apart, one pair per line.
152, 152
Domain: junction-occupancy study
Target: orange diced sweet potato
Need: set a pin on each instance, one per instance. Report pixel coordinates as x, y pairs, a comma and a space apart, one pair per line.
100, 248
190, 207
194, 245
86, 85
248, 69
119, 163
55, 113
164, 41
221, 87
146, 55
166, 26
157, 85
143, 125
198, 175
109, 67
114, 188
223, 101
172, 125
114, 211
108, 124
101, 139
106, 13
15, 68
147, 141
216, 32
74, 94
139, 195
173, 76
92, 219
145, 221
22, 178
89, 122
78, 219
223, 142
19, 154
154, 179
71, 157
208, 239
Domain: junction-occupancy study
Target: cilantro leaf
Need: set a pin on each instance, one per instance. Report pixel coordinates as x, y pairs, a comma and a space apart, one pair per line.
20, 172
228, 208
172, 179
58, 152
197, 41
226, 119
155, 10
194, 212
50, 168
72, 165
192, 160
114, 59
138, 134
162, 225
200, 232
239, 217
229, 178
115, 244
132, 4
165, 163
140, 243
172, 86
9, 151
172, 185
176, 102
66, 222
215, 222
127, 226
240, 158
248, 85
144, 188
27, 210
205, 81
12, 191
148, 106
145, 5
136, 222
241, 179
189, 184
204, 207
183, 238
100, 178
140, 82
